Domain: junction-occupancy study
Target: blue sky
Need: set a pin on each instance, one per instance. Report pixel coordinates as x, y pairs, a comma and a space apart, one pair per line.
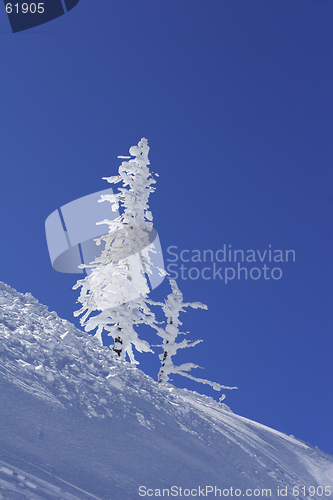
235, 98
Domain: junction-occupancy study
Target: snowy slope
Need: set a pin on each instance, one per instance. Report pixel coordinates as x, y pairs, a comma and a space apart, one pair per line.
77, 424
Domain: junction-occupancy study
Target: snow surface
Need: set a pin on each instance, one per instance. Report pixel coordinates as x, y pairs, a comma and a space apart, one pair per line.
75, 423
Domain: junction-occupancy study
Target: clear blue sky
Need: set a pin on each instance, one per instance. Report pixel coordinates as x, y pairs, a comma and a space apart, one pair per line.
235, 98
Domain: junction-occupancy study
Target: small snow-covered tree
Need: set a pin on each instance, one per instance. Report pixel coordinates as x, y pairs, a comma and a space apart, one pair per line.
116, 286
114, 295
171, 307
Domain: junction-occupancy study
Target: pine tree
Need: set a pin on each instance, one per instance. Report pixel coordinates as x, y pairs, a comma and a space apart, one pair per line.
114, 295
117, 286
171, 307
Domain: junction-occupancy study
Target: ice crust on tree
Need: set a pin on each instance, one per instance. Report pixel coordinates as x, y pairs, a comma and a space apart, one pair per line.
116, 290
117, 284
172, 306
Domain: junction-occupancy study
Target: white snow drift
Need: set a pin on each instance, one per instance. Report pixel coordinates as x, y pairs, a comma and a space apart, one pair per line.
77, 423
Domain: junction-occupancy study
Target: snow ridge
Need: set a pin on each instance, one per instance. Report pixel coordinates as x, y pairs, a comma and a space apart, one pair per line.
76, 422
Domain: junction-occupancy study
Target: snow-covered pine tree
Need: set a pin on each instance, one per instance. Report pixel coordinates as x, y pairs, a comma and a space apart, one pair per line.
171, 307
117, 286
